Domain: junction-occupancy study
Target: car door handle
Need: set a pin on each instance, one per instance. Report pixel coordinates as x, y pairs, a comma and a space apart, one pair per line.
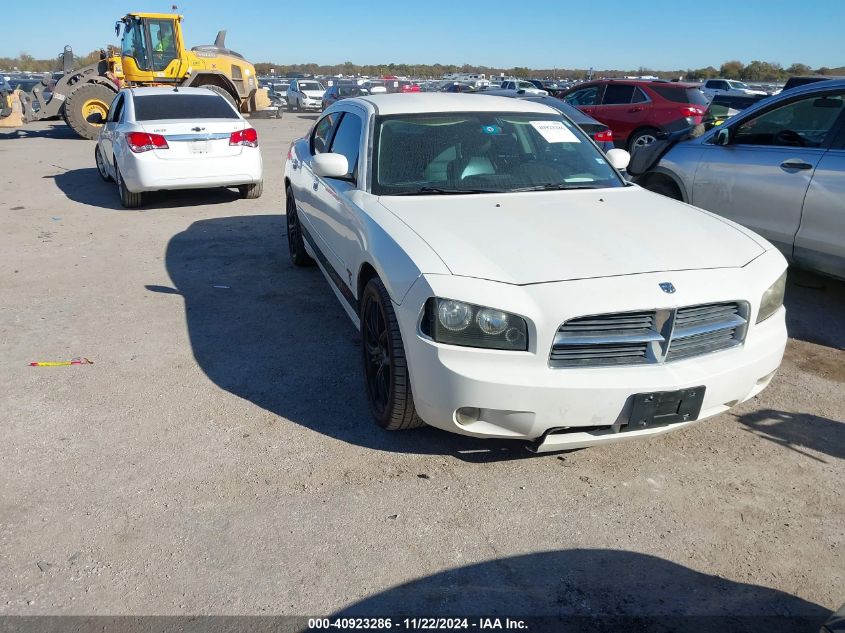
636, 109
795, 163
316, 185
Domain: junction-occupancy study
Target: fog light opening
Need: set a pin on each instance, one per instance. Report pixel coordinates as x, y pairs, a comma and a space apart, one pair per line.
467, 415
767, 378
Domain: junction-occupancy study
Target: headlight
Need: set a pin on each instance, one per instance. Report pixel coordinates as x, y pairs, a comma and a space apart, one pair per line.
772, 299
460, 323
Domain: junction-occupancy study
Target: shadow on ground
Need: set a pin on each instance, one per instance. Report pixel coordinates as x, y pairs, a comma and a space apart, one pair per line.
597, 590
56, 130
276, 336
815, 308
87, 187
798, 431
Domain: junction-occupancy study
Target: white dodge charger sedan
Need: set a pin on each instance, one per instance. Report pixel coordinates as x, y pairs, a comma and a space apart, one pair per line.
509, 283
190, 138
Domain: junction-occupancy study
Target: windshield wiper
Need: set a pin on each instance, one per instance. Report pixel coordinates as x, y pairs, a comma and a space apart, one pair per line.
555, 187
422, 191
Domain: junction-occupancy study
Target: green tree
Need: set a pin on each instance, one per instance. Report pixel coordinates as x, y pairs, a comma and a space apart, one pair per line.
799, 69
731, 70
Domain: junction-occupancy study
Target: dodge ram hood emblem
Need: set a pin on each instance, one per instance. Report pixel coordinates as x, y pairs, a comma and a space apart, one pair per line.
667, 287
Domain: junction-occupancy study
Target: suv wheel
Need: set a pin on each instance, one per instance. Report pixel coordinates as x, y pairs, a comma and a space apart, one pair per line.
386, 375
641, 138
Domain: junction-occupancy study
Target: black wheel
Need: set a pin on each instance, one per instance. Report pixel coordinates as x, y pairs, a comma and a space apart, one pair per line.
641, 138
296, 245
385, 367
664, 187
86, 109
223, 93
101, 164
253, 191
128, 199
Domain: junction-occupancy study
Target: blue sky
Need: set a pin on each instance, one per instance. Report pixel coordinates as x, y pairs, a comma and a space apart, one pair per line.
659, 34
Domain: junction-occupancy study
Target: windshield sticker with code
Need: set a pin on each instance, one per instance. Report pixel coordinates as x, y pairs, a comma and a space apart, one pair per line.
554, 131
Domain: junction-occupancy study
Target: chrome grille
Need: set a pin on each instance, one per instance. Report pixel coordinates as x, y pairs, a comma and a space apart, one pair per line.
703, 329
653, 336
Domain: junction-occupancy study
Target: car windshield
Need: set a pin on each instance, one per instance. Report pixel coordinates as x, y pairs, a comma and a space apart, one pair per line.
484, 152
182, 106
310, 85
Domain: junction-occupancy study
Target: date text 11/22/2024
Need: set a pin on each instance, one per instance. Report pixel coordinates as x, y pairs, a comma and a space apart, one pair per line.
416, 624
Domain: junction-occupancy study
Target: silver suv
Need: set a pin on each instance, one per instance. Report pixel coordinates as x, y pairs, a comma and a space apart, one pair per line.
777, 167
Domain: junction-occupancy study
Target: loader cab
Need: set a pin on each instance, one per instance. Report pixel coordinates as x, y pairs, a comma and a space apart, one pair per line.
150, 45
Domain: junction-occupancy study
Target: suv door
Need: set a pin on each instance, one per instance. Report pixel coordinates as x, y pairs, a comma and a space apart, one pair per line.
761, 177
623, 108
820, 242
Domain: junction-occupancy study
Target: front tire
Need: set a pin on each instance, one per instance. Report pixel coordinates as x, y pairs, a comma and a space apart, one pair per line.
296, 245
386, 376
128, 199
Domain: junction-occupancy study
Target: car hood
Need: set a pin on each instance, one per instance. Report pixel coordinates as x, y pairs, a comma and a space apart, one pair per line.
314, 94
538, 237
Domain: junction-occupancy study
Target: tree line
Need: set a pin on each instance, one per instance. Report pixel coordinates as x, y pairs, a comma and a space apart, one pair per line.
734, 69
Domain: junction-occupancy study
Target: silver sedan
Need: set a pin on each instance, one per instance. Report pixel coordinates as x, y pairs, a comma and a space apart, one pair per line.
777, 168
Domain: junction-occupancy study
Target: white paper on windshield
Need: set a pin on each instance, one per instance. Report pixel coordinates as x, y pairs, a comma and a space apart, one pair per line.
554, 131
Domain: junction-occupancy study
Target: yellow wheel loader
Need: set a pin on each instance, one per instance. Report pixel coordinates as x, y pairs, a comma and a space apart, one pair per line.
152, 53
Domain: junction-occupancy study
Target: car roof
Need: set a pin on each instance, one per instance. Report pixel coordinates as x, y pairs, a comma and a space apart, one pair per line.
166, 90
417, 102
660, 82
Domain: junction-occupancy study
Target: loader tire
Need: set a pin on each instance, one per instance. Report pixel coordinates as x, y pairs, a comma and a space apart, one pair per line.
87, 107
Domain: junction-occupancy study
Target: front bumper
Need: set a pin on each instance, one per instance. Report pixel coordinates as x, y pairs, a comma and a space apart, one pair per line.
311, 104
519, 396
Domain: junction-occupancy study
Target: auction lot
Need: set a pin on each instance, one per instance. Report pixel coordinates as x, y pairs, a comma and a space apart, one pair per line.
218, 456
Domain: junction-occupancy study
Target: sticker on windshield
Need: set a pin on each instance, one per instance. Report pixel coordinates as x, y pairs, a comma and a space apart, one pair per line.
491, 129
554, 131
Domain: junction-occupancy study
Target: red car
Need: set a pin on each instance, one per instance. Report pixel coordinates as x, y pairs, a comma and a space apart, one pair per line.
637, 110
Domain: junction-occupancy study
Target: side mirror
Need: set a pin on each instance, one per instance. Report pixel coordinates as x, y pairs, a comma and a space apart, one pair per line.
619, 158
330, 165
722, 137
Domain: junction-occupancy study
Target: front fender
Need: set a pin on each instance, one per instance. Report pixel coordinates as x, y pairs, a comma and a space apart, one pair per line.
397, 254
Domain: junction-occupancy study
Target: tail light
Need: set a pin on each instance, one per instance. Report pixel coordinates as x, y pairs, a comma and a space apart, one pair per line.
692, 111
143, 142
605, 136
248, 137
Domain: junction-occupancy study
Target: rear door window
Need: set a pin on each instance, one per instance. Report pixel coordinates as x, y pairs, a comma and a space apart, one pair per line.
116, 110
182, 106
615, 94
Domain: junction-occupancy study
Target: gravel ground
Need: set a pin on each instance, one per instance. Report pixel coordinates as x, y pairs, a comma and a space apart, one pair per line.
218, 457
